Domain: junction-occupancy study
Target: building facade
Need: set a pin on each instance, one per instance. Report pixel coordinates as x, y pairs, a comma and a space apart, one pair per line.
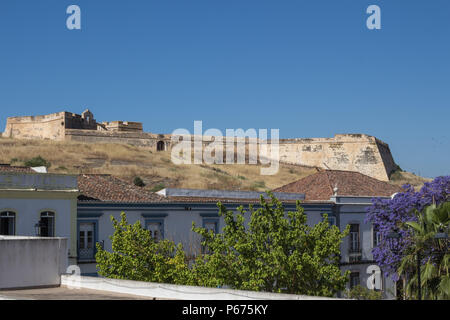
172, 215
39, 204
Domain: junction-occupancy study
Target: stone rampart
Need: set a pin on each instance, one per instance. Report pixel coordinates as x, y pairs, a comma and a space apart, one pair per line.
352, 152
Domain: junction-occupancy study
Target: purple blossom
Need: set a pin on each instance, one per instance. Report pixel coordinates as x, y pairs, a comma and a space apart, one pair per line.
388, 215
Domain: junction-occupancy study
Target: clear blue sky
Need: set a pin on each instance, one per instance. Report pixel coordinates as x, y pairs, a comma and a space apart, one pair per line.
310, 68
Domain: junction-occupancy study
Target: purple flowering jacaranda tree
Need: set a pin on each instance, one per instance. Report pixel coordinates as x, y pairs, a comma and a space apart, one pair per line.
388, 215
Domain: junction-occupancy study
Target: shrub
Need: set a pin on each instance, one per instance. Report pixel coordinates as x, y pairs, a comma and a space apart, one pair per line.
258, 185
360, 293
37, 162
138, 182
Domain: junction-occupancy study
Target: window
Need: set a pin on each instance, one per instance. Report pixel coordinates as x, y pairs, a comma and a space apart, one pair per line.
86, 240
354, 238
354, 279
7, 223
156, 228
355, 249
376, 237
47, 224
210, 225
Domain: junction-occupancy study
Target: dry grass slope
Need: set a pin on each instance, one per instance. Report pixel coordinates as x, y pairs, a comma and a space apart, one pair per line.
155, 168
402, 177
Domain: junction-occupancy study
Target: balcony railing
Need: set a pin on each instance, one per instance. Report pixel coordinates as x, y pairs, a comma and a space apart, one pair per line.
354, 254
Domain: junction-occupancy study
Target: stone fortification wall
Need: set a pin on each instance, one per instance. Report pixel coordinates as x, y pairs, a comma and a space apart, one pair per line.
123, 126
140, 139
50, 126
54, 126
352, 152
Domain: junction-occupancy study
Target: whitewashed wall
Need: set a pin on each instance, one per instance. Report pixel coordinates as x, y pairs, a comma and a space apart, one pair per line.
31, 262
28, 214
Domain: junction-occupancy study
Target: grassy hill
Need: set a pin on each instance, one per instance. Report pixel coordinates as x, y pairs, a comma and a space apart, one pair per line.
155, 168
403, 177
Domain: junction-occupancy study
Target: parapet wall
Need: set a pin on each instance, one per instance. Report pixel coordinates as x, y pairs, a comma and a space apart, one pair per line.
172, 291
49, 126
28, 262
139, 139
123, 126
351, 152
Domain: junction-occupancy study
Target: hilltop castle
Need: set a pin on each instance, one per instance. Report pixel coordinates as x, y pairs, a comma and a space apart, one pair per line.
352, 152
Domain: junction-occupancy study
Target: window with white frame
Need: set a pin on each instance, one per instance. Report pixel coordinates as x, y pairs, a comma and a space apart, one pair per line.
7, 223
86, 240
376, 237
354, 238
47, 224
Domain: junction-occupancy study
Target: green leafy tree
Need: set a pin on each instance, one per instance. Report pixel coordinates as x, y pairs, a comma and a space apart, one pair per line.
435, 257
137, 256
277, 252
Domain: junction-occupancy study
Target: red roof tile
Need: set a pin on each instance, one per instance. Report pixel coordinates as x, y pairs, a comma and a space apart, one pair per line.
320, 186
230, 200
19, 169
108, 188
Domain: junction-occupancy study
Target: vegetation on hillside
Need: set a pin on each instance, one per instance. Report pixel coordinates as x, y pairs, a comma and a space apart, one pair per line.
155, 169
400, 178
37, 162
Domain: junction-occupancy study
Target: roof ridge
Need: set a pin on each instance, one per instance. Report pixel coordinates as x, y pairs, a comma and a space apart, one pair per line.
329, 182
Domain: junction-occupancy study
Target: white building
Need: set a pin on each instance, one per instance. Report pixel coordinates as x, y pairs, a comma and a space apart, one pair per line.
41, 204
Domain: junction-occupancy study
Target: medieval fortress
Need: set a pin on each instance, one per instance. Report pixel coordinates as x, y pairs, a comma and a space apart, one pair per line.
353, 152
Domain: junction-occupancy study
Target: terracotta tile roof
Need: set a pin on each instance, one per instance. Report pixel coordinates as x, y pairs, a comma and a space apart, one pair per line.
230, 200
320, 186
103, 187
215, 200
10, 168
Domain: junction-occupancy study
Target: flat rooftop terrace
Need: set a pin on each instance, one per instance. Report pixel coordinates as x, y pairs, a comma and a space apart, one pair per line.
64, 293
